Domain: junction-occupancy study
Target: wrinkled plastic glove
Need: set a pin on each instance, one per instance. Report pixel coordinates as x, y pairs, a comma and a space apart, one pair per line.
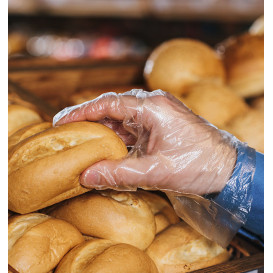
173, 150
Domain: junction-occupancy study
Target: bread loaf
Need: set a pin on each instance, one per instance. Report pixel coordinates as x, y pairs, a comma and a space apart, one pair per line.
180, 248
244, 61
215, 102
162, 210
104, 256
37, 242
20, 116
118, 216
178, 63
44, 169
249, 128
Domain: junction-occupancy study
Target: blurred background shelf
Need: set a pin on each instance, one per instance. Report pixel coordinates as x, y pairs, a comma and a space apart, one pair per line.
228, 10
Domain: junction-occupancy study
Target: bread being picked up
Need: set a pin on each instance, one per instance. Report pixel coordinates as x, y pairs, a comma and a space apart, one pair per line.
44, 169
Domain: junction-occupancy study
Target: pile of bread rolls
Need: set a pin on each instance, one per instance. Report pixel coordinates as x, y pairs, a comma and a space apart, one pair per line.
224, 85
56, 225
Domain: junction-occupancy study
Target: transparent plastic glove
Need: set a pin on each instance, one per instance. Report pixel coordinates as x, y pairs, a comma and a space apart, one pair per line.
173, 150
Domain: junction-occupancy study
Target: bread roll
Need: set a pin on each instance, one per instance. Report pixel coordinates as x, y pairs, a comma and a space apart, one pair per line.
161, 208
117, 216
26, 132
20, 116
37, 242
44, 169
214, 102
249, 128
178, 63
104, 256
180, 248
244, 61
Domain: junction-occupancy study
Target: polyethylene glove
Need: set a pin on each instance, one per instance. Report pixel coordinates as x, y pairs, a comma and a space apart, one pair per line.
173, 150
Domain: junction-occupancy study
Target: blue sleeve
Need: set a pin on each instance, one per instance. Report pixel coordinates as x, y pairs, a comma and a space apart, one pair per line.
255, 219
243, 195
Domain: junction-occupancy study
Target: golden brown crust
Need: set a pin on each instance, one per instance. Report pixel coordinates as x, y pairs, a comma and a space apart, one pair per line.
26, 132
179, 248
249, 128
118, 216
214, 102
244, 61
38, 242
178, 63
44, 169
161, 208
20, 116
103, 256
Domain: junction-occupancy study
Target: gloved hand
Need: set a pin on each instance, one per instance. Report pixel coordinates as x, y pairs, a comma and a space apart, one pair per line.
173, 149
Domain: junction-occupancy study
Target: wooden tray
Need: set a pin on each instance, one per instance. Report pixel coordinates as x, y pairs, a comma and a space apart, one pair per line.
54, 80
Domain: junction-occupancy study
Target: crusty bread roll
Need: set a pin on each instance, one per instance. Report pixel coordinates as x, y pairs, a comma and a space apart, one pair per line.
118, 216
161, 208
178, 63
249, 128
92, 93
215, 102
104, 256
20, 116
37, 242
26, 132
244, 61
180, 248
44, 169
257, 28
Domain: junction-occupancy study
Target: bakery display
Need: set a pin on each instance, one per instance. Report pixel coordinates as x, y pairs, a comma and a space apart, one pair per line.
44, 169
57, 225
20, 116
244, 62
163, 211
38, 242
249, 128
104, 256
178, 63
214, 102
180, 248
118, 216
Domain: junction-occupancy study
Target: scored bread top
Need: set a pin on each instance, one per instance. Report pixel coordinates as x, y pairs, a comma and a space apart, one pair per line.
57, 139
118, 216
26, 132
38, 242
180, 248
99, 255
44, 169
